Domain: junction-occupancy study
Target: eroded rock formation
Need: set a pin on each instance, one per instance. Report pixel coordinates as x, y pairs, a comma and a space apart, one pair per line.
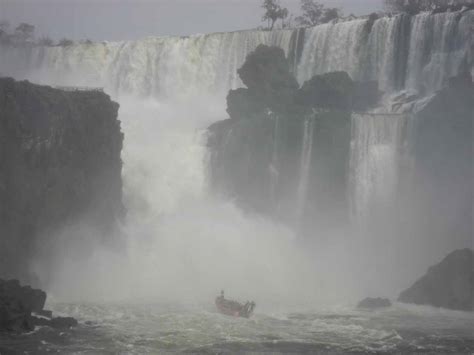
285, 147
21, 309
59, 163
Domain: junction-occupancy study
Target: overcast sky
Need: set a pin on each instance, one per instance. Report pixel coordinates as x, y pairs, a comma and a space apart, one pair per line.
132, 19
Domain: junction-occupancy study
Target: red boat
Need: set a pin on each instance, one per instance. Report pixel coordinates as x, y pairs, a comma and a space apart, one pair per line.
234, 308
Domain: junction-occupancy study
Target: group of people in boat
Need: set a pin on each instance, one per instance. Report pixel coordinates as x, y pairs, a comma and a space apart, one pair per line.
234, 308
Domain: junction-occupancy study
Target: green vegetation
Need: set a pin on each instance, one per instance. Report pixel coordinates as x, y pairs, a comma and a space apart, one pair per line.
416, 6
24, 35
65, 42
314, 13
273, 12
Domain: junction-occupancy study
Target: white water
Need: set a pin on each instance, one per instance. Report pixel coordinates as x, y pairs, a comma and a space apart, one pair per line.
436, 45
376, 145
305, 167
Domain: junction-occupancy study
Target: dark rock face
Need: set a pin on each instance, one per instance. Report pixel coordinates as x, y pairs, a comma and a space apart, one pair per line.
365, 95
374, 303
266, 74
449, 284
285, 148
331, 90
17, 303
443, 147
59, 161
243, 104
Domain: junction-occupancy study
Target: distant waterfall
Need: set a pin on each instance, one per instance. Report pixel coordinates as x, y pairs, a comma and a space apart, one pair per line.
305, 167
376, 145
418, 52
157, 67
439, 45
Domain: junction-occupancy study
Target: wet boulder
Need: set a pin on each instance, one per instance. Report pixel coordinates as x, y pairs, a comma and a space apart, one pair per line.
63, 322
374, 303
16, 304
449, 284
21, 309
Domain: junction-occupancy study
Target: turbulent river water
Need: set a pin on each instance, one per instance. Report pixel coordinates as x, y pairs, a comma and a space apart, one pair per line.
164, 328
180, 243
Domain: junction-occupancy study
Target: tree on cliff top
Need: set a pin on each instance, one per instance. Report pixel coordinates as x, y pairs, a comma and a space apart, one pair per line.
273, 12
4, 32
416, 6
24, 32
314, 13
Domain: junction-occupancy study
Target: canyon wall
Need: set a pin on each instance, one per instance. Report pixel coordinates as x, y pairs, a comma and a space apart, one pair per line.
59, 164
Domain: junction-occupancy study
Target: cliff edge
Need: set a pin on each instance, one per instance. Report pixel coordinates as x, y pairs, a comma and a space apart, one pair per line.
59, 163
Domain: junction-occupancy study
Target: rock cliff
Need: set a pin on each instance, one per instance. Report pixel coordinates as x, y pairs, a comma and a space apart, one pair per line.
449, 284
59, 162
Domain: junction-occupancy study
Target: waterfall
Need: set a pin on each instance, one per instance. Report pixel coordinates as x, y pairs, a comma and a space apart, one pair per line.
305, 167
426, 49
160, 67
439, 45
400, 52
274, 167
376, 144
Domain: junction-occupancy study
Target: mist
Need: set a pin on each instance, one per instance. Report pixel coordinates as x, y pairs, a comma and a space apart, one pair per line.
179, 243
303, 207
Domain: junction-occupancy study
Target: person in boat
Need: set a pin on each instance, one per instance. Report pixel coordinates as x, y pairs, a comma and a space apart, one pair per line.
220, 299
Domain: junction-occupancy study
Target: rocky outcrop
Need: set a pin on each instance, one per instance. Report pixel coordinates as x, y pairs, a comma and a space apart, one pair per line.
21, 309
59, 163
449, 284
266, 73
374, 303
285, 147
331, 90
443, 148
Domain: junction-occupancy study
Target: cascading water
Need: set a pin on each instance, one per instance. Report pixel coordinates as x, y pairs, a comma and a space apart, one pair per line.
426, 49
305, 167
274, 167
164, 67
376, 145
439, 46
